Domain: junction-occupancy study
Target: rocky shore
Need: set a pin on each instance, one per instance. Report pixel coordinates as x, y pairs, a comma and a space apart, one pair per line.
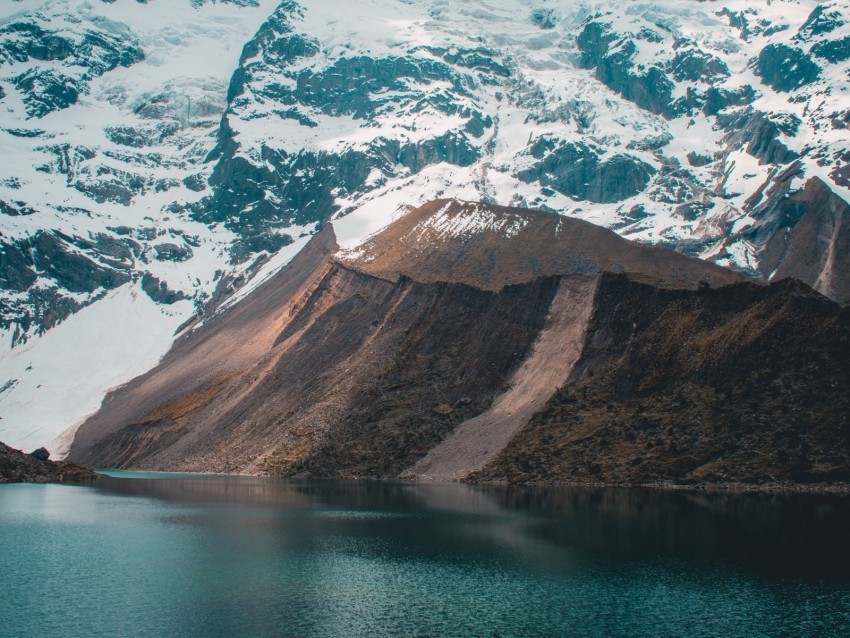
20, 467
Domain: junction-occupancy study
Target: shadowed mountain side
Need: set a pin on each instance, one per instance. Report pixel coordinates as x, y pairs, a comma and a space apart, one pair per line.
745, 384
490, 246
546, 369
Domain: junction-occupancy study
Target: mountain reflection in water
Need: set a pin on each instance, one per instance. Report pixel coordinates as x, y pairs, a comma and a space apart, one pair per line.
232, 556
774, 535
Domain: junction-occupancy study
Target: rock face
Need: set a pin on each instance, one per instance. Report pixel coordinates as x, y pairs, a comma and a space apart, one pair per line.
18, 467
811, 240
453, 346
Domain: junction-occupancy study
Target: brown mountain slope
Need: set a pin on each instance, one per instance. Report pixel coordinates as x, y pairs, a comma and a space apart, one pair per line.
744, 384
199, 366
297, 370
426, 352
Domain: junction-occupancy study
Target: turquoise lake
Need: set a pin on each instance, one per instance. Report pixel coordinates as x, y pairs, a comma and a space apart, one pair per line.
227, 556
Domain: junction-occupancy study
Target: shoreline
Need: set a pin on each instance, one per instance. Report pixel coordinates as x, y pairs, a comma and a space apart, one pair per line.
775, 487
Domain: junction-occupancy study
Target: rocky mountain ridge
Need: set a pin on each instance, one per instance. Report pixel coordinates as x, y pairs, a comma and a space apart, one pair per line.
392, 360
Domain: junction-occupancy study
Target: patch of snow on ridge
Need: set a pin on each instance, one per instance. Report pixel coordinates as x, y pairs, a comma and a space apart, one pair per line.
368, 215
58, 379
471, 219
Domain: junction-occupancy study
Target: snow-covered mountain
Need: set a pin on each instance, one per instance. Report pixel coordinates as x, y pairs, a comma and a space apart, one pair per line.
159, 155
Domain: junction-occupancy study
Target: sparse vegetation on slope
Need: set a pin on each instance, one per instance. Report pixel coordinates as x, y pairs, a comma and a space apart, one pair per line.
739, 385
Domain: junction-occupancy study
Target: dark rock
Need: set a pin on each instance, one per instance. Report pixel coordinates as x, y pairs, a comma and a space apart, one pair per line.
692, 211
824, 19
38, 310
650, 89
575, 170
172, 252
48, 90
159, 291
594, 41
786, 68
759, 133
16, 267
692, 65
25, 132
15, 209
748, 28
139, 137
195, 182
716, 100
697, 160
244, 247
479, 59
66, 268
112, 185
673, 186
833, 50
163, 185
30, 41
71, 270
17, 467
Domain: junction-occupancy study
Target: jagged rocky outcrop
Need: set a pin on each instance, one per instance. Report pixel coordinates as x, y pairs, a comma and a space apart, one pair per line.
450, 345
309, 90
19, 467
76, 57
804, 233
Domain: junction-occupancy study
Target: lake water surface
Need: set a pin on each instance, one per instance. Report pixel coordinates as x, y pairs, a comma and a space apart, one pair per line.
232, 556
